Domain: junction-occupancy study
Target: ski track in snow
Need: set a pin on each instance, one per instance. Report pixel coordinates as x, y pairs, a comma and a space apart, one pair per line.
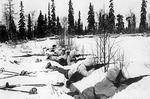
137, 58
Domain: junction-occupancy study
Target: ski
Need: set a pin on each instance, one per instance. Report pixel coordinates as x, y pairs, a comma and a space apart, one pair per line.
3, 70
7, 85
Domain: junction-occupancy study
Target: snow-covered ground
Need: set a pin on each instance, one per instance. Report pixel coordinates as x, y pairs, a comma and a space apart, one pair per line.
137, 61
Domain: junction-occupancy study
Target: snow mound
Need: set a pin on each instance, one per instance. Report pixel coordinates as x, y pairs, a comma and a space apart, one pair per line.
139, 90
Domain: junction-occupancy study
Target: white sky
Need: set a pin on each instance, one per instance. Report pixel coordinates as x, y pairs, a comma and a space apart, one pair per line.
121, 6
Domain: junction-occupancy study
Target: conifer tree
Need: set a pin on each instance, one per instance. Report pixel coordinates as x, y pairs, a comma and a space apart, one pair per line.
134, 23
29, 25
58, 27
81, 28
3, 33
70, 19
49, 20
53, 18
142, 27
22, 34
120, 24
45, 25
111, 19
85, 30
76, 28
40, 26
91, 19
79, 24
9, 18
100, 27
12, 29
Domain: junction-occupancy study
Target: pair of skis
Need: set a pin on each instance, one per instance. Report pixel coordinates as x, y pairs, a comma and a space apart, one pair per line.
13, 74
33, 90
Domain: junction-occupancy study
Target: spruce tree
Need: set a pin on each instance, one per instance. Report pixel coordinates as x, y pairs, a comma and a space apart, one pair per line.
76, 28
12, 32
3, 33
46, 21
22, 34
120, 24
53, 19
134, 23
142, 27
70, 19
81, 28
40, 26
12, 29
49, 20
85, 30
79, 24
58, 27
29, 25
91, 19
45, 25
111, 19
100, 27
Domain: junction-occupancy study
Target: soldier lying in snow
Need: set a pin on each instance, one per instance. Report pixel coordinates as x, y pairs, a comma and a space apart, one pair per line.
54, 51
79, 70
66, 57
103, 89
62, 59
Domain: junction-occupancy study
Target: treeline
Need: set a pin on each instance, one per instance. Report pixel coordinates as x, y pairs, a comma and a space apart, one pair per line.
50, 24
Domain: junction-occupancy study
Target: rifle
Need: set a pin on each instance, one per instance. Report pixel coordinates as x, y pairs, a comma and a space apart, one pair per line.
29, 55
97, 66
78, 55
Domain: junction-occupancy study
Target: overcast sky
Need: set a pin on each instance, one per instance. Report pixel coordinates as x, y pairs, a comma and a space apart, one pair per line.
121, 6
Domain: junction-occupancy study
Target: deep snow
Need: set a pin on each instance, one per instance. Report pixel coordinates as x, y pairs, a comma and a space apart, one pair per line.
137, 62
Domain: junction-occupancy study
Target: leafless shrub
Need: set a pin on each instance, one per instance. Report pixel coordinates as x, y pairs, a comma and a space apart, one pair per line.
106, 49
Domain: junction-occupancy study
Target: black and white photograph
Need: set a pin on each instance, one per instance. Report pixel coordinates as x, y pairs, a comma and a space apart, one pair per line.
74, 49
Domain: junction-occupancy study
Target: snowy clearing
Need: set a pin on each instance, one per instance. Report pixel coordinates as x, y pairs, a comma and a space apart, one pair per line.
137, 60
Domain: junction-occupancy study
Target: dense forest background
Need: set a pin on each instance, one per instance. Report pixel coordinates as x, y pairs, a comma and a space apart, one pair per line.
49, 24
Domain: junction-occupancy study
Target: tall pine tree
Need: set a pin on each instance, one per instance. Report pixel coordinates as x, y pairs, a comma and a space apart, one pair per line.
12, 29
76, 28
70, 19
45, 25
40, 26
91, 19
53, 18
120, 24
134, 23
12, 32
3, 33
29, 25
58, 27
79, 23
22, 34
111, 18
142, 27
100, 27
49, 20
